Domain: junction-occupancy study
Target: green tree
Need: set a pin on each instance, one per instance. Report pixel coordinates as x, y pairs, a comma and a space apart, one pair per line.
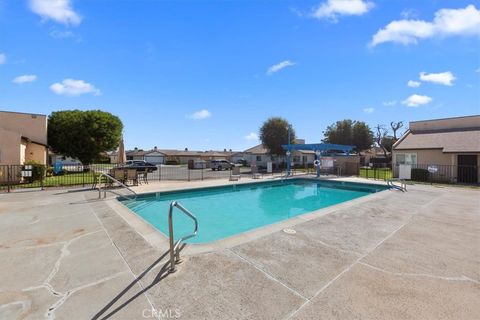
274, 133
349, 132
83, 134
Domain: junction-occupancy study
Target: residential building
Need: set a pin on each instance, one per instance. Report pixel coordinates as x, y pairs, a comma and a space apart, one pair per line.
136, 154
374, 154
183, 156
155, 156
441, 144
260, 156
164, 156
23, 137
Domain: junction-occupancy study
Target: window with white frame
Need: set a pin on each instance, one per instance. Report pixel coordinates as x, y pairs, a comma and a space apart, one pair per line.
406, 158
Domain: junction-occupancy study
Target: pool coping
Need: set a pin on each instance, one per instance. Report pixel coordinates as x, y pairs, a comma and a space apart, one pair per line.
160, 241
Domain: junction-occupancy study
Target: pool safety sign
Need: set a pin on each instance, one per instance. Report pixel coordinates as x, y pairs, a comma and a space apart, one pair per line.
327, 162
432, 169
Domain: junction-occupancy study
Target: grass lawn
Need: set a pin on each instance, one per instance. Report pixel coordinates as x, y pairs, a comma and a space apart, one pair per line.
70, 179
379, 173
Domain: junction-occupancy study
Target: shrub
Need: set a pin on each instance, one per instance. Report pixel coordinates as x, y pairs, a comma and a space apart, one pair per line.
38, 171
419, 174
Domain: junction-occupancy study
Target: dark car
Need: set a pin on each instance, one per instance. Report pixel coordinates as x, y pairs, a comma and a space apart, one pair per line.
139, 165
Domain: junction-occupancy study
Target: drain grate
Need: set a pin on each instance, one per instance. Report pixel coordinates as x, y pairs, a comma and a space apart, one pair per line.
289, 231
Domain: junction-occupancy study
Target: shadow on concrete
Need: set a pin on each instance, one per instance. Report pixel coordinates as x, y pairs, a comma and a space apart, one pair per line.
104, 313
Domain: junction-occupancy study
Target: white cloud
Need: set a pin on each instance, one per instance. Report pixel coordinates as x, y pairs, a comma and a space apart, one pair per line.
332, 9
447, 22
413, 84
416, 100
368, 110
279, 66
25, 78
409, 13
65, 34
445, 78
390, 103
3, 58
251, 136
57, 10
72, 87
200, 115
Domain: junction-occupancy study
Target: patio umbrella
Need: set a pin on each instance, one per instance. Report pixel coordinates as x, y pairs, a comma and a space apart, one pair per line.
121, 157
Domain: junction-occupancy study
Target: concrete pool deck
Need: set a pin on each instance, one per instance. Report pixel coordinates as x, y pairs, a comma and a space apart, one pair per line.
395, 255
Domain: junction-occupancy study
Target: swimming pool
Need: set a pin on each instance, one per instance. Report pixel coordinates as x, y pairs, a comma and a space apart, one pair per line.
229, 210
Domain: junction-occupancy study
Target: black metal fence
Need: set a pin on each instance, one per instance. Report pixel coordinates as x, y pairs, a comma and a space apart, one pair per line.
434, 173
41, 176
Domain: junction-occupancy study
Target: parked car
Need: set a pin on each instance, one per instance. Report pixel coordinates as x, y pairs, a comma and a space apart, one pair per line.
221, 165
197, 164
241, 162
140, 165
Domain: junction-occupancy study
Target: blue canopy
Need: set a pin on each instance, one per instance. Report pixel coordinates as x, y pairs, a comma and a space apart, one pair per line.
318, 147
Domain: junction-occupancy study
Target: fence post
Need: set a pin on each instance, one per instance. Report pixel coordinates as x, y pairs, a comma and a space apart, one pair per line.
42, 180
188, 174
8, 178
160, 172
202, 173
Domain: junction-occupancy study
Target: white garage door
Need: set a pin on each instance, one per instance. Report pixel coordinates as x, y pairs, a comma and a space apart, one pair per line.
155, 159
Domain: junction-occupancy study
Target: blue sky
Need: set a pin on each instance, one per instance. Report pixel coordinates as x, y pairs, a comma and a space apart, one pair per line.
206, 74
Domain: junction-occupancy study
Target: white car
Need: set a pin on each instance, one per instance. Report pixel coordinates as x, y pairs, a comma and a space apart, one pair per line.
221, 165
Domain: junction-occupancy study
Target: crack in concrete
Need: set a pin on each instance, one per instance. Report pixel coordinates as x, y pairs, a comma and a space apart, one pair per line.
64, 252
335, 247
408, 221
270, 276
93, 210
426, 275
50, 314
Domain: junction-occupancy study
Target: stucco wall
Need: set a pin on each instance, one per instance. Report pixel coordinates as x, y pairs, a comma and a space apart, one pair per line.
36, 152
429, 156
449, 161
9, 147
31, 126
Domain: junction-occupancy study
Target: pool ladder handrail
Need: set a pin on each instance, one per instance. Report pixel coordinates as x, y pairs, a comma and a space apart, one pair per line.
103, 174
402, 187
174, 246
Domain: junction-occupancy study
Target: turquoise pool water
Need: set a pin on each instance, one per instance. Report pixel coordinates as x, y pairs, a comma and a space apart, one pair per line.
229, 210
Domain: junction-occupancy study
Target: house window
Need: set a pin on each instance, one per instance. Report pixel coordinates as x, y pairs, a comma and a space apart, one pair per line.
406, 158
296, 159
259, 158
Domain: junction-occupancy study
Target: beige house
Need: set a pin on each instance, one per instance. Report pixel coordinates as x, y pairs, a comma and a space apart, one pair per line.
260, 156
183, 156
23, 137
448, 147
163, 156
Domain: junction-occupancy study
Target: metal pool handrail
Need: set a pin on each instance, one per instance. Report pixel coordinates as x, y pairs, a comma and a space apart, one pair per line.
114, 180
174, 252
402, 187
